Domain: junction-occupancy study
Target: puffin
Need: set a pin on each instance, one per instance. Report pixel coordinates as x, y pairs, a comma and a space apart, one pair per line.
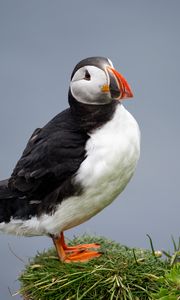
75, 165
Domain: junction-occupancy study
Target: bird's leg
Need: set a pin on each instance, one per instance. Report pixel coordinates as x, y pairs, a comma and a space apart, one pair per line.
59, 247
79, 254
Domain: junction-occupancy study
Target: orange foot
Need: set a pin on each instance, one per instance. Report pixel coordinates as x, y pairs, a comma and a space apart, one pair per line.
77, 248
82, 256
79, 253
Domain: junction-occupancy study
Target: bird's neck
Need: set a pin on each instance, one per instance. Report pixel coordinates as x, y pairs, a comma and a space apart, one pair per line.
90, 117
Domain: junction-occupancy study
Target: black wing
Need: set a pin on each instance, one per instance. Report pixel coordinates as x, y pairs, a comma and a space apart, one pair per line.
52, 156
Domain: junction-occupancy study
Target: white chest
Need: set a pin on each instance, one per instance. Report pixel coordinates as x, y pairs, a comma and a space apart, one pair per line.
112, 152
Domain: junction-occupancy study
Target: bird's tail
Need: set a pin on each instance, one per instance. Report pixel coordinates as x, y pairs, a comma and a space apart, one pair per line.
5, 193
6, 200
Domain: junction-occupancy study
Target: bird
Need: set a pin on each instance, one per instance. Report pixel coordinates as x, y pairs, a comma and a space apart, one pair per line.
75, 165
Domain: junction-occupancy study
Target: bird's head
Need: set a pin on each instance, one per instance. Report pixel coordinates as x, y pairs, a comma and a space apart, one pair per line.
94, 81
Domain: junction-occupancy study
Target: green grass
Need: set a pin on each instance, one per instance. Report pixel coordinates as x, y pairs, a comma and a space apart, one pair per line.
120, 273
170, 285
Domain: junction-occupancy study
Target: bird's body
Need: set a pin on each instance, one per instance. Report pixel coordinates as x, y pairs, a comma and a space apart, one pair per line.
112, 153
71, 168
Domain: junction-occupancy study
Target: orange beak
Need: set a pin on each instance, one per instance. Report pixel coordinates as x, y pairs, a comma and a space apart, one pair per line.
124, 88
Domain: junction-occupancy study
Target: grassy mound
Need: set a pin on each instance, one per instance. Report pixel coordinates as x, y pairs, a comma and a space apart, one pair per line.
120, 273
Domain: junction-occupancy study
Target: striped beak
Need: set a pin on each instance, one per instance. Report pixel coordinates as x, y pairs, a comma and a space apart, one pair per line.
118, 86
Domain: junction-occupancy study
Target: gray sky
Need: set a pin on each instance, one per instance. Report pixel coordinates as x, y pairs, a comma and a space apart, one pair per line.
40, 42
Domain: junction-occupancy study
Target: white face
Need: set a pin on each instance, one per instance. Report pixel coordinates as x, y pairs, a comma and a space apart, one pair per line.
87, 86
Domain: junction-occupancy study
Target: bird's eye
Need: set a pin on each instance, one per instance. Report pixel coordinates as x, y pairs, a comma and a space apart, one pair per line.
87, 76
